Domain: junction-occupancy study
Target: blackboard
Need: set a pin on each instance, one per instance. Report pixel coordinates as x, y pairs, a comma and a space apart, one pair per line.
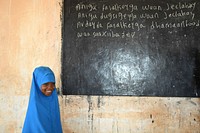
131, 48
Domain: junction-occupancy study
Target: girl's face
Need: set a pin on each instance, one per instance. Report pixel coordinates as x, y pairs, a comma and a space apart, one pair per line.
47, 88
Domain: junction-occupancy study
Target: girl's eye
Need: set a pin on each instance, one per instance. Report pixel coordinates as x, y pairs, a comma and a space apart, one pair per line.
45, 84
49, 84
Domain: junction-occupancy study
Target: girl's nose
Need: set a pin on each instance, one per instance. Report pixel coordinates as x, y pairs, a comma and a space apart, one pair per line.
51, 86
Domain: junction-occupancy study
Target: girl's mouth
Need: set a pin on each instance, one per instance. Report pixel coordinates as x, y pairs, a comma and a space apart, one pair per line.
48, 91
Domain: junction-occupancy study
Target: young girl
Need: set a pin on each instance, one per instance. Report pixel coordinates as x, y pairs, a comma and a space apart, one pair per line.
43, 114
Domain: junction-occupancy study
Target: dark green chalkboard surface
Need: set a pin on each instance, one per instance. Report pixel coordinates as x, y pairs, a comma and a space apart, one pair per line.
131, 48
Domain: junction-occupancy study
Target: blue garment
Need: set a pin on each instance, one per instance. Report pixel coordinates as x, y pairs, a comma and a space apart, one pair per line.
43, 114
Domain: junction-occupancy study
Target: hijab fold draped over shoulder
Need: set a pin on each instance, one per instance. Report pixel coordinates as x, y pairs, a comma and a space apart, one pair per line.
43, 114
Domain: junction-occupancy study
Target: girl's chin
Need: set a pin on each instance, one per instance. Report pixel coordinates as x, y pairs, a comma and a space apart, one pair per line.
48, 93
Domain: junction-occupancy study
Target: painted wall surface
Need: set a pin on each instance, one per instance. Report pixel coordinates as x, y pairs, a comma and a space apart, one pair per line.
30, 36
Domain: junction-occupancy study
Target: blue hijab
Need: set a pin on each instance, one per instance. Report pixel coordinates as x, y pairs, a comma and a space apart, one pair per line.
43, 114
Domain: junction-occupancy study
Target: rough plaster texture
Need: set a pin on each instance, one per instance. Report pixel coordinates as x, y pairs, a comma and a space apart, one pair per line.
30, 36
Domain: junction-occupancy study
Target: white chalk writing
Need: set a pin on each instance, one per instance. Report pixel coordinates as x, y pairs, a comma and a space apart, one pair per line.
126, 20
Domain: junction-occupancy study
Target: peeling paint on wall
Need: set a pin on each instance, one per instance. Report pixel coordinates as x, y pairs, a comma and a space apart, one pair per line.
131, 114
